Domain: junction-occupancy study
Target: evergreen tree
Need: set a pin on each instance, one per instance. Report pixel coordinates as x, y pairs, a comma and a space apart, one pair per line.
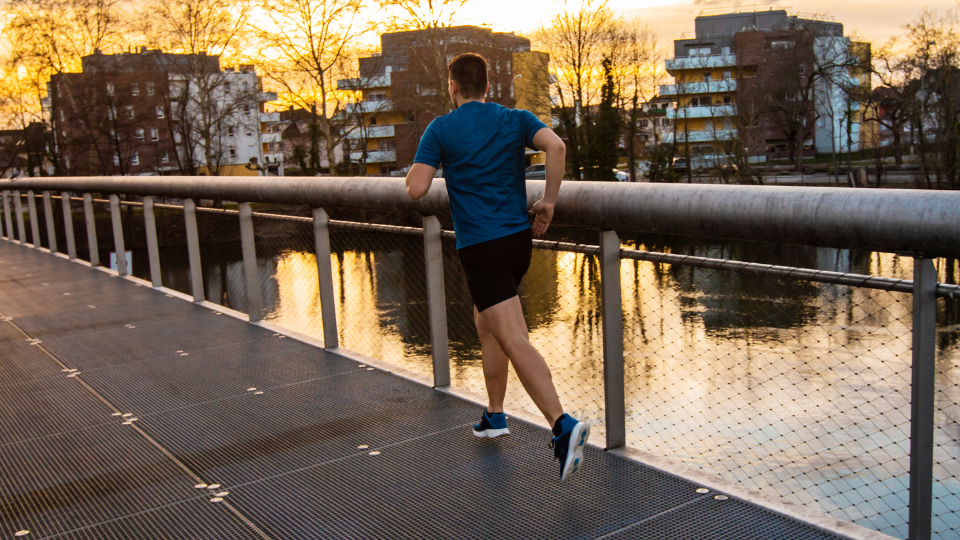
601, 158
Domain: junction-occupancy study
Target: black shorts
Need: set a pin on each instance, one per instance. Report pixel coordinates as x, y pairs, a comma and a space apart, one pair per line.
494, 268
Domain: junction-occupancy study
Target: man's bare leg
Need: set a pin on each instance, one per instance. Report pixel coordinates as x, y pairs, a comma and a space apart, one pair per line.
495, 366
506, 324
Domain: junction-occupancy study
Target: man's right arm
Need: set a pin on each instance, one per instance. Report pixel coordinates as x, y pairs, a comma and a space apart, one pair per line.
548, 141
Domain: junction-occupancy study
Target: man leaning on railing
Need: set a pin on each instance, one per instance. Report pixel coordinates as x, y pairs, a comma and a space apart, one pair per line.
481, 146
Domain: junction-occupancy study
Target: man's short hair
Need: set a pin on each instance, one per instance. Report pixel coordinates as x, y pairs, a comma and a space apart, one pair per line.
469, 70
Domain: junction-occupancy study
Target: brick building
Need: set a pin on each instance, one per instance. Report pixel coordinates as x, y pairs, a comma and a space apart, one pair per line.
404, 87
766, 56
140, 113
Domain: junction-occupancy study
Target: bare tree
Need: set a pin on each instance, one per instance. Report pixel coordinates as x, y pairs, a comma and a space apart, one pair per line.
311, 40
203, 109
578, 39
636, 59
420, 14
933, 49
48, 37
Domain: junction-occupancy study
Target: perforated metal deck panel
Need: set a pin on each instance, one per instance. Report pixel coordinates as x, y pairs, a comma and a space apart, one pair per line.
279, 426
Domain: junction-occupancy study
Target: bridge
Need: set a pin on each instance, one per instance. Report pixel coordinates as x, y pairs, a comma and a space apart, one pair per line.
137, 407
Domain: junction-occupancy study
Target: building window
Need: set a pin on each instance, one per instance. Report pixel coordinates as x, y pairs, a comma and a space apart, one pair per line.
245, 86
707, 77
386, 145
164, 158
226, 88
61, 116
727, 100
246, 109
139, 135
110, 89
135, 159
129, 109
154, 134
176, 138
135, 89
727, 75
803, 70
232, 152
701, 51
159, 111
149, 88
230, 131
112, 113
116, 160
249, 132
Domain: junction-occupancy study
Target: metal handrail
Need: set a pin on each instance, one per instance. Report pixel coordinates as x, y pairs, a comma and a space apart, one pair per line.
907, 221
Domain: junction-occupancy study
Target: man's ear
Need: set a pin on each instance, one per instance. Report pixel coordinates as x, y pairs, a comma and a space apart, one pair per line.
486, 91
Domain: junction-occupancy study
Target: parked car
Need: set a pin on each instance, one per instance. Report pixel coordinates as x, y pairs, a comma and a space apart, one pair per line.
621, 176
536, 172
680, 165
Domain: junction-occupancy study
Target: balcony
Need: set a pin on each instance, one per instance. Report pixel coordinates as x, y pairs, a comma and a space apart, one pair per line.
371, 132
370, 106
701, 62
700, 136
364, 83
269, 117
270, 137
715, 111
376, 156
712, 87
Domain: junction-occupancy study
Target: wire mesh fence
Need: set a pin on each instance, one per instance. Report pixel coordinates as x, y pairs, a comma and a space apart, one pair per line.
797, 388
379, 283
287, 273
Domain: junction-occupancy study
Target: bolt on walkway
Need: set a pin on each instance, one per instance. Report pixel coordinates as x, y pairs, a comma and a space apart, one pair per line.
128, 413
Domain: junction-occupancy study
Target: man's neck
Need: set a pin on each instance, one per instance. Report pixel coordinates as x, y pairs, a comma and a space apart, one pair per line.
461, 101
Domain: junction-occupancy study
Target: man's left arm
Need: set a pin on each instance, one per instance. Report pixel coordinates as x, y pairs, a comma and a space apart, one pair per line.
419, 179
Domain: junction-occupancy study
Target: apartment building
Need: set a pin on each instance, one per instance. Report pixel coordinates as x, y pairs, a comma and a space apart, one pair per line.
150, 112
404, 87
766, 57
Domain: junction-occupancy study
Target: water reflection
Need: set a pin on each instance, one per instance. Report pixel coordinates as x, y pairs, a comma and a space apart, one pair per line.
798, 388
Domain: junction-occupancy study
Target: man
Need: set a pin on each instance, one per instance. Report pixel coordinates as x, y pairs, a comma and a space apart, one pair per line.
481, 146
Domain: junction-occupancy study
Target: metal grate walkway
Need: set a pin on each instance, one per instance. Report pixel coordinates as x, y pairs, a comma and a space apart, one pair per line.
126, 413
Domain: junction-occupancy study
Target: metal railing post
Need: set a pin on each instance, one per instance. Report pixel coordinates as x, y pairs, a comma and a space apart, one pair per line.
328, 309
248, 245
48, 216
153, 247
18, 208
7, 216
67, 205
91, 229
193, 249
436, 302
118, 246
34, 224
612, 306
923, 391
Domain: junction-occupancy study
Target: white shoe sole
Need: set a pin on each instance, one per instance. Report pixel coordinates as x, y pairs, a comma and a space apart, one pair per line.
578, 439
491, 433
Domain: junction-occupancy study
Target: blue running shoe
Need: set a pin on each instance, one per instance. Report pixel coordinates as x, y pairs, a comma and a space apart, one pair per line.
568, 446
491, 425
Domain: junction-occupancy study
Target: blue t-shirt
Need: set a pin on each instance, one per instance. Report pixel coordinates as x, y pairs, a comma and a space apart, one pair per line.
481, 147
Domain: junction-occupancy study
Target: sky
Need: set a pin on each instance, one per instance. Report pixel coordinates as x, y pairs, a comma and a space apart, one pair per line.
872, 20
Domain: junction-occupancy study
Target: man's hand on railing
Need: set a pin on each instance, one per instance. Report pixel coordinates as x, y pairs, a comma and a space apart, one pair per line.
542, 212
